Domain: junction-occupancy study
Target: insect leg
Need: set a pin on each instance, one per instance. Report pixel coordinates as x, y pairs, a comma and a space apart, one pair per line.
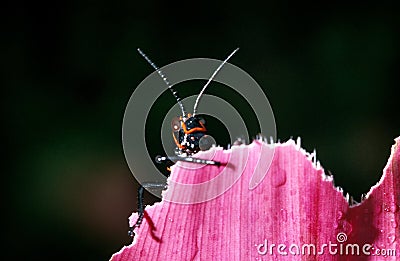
141, 206
140, 210
160, 159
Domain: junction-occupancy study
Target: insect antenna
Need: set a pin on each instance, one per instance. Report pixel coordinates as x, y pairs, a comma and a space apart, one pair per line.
209, 81
158, 70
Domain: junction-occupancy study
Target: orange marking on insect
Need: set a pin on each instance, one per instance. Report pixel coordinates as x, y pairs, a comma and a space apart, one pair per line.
200, 129
177, 142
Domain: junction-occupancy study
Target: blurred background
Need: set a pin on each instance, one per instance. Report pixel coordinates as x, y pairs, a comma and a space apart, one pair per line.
331, 74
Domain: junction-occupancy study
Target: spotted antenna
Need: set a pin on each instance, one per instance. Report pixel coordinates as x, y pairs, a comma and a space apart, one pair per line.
158, 70
209, 80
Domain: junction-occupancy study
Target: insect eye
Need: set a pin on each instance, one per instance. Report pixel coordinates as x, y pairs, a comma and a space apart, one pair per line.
176, 124
206, 142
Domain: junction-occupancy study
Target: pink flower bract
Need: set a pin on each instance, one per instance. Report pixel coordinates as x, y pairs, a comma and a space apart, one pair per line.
293, 213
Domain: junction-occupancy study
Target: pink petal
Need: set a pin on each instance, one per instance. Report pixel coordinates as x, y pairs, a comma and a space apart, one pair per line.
293, 208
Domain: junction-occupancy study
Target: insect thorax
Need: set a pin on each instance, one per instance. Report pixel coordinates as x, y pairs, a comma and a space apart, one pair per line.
193, 129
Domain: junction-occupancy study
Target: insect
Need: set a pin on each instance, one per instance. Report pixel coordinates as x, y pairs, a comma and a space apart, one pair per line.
189, 134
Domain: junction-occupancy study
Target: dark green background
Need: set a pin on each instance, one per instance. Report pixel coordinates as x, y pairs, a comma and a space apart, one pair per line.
330, 72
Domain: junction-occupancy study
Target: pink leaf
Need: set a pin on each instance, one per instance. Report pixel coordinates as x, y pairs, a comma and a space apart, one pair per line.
293, 213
